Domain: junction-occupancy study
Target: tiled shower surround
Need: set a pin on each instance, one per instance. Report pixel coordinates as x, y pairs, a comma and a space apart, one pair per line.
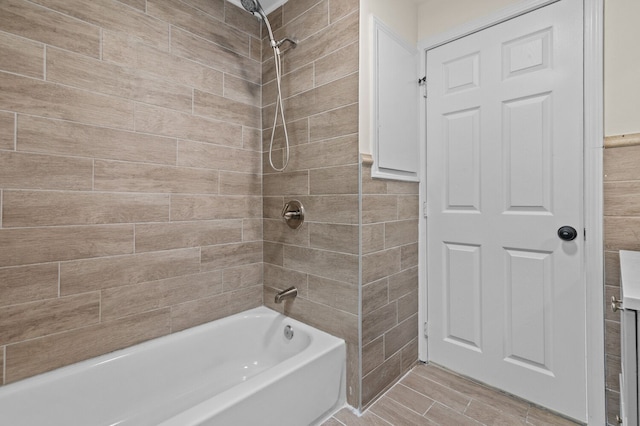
130, 173
355, 258
621, 218
136, 196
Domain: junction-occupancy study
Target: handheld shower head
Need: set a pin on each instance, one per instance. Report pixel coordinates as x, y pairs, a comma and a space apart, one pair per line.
252, 6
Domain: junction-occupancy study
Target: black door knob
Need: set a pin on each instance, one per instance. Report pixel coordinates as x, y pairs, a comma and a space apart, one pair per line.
567, 233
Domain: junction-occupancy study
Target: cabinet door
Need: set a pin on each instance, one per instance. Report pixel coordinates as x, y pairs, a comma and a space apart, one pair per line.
396, 97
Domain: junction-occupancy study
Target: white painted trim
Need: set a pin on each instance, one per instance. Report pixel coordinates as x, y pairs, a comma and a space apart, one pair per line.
593, 197
422, 223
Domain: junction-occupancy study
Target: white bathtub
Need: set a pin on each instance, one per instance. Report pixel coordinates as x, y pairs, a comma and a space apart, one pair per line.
240, 371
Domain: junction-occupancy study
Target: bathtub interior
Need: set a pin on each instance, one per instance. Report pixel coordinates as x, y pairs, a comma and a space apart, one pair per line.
155, 380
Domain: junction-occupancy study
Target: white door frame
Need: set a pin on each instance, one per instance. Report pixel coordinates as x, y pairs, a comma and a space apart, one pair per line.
593, 185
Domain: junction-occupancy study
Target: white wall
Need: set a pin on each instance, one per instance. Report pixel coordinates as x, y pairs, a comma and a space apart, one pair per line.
402, 17
621, 67
432, 17
622, 54
438, 16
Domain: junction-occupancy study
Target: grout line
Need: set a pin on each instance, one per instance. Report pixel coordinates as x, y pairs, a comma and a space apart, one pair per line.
15, 131
433, 402
177, 152
224, 85
384, 420
313, 74
468, 405
100, 307
44, 62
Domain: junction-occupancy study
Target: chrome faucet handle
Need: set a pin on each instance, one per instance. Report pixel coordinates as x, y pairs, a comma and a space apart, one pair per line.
285, 210
293, 214
290, 214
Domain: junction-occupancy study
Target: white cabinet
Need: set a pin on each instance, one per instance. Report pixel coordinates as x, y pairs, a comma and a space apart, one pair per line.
396, 95
630, 289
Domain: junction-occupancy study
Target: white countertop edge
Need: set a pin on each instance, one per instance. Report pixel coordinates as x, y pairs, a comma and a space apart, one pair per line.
630, 279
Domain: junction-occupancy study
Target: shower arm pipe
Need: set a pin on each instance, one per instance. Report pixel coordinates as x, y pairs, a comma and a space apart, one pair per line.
292, 41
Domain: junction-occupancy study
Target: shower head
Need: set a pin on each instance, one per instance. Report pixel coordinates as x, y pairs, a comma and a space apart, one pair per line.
252, 6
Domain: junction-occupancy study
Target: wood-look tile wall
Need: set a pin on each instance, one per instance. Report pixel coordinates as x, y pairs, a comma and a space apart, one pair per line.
621, 232
390, 282
320, 87
130, 174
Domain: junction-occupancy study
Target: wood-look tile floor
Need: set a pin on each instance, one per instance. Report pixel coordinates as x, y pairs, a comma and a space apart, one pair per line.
430, 395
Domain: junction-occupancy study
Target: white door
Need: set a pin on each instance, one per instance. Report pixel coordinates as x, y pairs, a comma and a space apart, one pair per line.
506, 295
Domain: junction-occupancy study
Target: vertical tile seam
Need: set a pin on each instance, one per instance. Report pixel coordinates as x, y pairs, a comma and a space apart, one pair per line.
100, 306
313, 75
360, 291
224, 85
384, 237
15, 131
177, 152
44, 62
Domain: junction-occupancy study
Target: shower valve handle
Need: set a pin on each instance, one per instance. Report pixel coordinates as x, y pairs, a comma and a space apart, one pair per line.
290, 214
293, 214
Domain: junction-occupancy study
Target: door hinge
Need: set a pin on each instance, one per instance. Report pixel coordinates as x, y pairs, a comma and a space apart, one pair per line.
423, 82
424, 209
426, 329
584, 233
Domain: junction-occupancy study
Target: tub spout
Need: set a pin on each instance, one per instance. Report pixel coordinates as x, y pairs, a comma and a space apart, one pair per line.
289, 293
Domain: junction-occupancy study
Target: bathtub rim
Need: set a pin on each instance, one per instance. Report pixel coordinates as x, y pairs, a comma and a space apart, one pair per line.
319, 338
